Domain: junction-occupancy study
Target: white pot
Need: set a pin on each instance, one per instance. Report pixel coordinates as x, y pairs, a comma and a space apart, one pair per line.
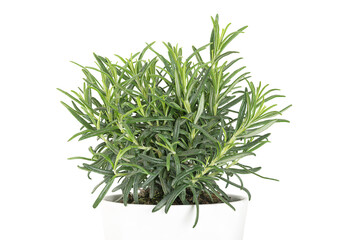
138, 222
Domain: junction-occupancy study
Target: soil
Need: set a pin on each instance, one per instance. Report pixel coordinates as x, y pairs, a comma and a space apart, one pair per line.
144, 198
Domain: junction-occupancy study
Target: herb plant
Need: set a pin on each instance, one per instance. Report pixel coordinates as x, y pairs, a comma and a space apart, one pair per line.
173, 126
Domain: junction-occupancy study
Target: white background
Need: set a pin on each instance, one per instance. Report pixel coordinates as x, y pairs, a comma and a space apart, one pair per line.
301, 47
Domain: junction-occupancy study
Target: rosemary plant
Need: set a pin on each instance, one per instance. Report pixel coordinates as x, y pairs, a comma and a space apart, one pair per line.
173, 126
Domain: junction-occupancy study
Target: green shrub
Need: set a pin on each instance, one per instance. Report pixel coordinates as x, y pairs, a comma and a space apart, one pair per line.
173, 126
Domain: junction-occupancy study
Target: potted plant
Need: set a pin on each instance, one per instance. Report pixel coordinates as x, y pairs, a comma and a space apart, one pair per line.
169, 129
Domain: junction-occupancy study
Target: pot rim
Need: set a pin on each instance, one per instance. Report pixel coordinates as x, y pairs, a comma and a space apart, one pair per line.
234, 199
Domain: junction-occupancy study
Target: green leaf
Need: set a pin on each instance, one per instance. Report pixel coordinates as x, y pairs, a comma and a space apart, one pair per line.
241, 113
152, 177
95, 133
164, 139
144, 50
196, 52
123, 151
232, 158
213, 190
161, 203
224, 55
261, 123
231, 63
254, 172
176, 130
104, 156
231, 36
99, 60
177, 163
257, 131
148, 119
136, 166
152, 159
237, 185
195, 199
184, 174
168, 161
241, 171
83, 158
78, 134
90, 168
174, 195
200, 88
207, 134
191, 152
104, 191
136, 188
251, 144
272, 97
126, 190
97, 186
231, 103
200, 108
70, 96
80, 119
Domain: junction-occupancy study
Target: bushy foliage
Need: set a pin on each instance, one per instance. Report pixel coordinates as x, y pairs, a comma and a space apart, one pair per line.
173, 125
